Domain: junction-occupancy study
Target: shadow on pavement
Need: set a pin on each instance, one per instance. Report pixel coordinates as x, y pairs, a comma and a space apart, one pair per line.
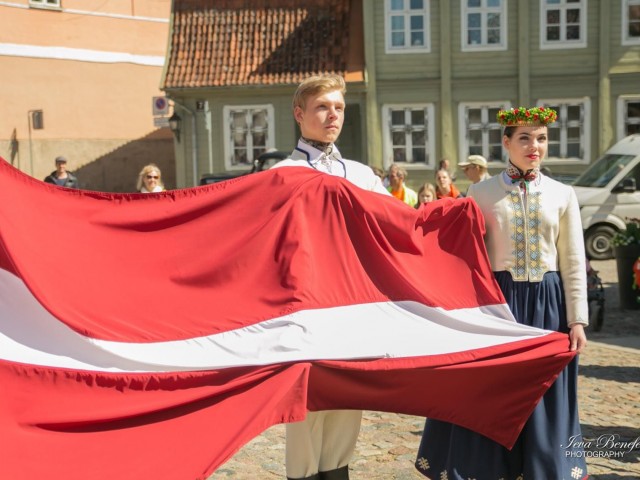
617, 443
614, 373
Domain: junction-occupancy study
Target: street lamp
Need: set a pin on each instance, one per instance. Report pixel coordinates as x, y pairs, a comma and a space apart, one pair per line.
174, 124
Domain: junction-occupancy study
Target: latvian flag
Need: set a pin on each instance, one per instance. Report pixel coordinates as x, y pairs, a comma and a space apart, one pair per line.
151, 336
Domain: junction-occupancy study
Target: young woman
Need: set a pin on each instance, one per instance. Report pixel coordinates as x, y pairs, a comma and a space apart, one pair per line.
444, 185
150, 179
535, 246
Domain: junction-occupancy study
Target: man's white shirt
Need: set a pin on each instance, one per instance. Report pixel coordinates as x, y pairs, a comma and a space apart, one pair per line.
361, 175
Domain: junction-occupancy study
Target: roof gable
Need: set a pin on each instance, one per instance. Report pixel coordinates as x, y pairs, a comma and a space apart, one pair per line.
244, 42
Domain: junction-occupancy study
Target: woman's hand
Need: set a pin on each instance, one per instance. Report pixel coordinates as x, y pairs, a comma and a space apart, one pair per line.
577, 338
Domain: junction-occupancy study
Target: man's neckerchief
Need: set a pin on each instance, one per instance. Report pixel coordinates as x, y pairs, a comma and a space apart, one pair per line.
324, 147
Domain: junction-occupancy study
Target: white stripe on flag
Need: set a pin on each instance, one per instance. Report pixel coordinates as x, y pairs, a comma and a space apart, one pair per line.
30, 334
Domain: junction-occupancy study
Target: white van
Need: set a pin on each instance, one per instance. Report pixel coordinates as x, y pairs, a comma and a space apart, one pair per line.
608, 194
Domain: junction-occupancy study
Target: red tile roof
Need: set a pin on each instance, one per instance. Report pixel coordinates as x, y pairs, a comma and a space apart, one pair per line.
245, 42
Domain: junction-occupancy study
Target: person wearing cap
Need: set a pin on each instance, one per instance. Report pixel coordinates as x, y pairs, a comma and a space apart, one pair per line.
475, 168
61, 177
535, 245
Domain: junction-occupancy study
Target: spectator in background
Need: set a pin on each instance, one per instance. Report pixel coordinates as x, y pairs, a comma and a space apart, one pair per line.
150, 179
426, 194
379, 173
61, 177
444, 185
475, 168
397, 187
445, 164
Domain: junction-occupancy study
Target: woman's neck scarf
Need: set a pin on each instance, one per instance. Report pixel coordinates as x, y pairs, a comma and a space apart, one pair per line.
523, 178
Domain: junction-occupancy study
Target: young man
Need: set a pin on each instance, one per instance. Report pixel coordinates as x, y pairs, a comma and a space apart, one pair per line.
320, 447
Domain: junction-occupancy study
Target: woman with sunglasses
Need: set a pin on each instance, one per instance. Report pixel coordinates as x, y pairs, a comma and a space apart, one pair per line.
150, 179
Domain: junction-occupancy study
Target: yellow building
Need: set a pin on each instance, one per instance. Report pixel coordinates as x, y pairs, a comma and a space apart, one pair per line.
86, 72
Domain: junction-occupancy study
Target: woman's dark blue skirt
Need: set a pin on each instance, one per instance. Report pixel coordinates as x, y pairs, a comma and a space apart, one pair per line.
549, 446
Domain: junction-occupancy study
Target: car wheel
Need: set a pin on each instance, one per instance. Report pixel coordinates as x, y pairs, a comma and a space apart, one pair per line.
598, 242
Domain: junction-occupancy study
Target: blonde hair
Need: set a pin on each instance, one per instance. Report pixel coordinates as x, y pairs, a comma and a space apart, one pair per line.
146, 170
315, 85
427, 187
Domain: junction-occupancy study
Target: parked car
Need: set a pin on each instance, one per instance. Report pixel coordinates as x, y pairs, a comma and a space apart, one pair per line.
608, 194
566, 178
263, 162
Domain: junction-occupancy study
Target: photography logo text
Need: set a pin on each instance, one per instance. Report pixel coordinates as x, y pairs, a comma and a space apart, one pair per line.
605, 446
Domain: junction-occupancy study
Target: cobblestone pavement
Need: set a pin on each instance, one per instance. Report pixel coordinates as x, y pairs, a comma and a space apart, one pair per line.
609, 398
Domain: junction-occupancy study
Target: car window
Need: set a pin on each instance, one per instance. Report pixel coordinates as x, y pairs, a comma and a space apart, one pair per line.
635, 174
603, 171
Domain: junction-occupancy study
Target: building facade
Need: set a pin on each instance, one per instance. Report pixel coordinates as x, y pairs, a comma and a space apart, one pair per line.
78, 80
425, 77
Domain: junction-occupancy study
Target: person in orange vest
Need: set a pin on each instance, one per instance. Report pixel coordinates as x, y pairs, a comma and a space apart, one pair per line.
398, 188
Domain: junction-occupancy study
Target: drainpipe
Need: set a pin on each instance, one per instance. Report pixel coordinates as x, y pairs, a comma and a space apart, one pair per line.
207, 123
194, 141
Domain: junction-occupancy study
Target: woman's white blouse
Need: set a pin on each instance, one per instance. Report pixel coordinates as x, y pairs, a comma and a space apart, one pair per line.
534, 232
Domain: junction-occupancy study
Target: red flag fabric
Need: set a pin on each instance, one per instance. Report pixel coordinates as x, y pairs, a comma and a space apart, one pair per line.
151, 336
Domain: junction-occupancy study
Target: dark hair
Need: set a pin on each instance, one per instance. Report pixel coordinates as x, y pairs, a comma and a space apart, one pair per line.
508, 131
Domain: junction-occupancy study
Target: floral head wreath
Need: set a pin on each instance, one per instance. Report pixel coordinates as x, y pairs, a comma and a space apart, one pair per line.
526, 117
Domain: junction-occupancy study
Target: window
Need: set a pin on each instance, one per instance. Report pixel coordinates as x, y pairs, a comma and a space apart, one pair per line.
248, 131
407, 26
631, 22
409, 134
484, 25
628, 116
563, 23
45, 3
480, 132
568, 136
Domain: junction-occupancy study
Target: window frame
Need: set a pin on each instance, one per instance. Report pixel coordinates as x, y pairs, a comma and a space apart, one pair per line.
46, 4
563, 43
229, 146
426, 15
387, 141
483, 10
585, 128
621, 114
487, 124
626, 39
